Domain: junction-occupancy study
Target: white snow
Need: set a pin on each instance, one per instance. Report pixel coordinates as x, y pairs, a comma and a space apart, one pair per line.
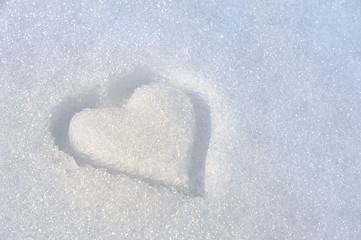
151, 136
261, 100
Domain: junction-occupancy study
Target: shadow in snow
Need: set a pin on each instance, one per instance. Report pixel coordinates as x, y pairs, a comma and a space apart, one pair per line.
61, 117
121, 88
196, 171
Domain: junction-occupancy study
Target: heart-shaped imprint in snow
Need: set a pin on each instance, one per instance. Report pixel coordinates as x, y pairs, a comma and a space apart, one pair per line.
150, 137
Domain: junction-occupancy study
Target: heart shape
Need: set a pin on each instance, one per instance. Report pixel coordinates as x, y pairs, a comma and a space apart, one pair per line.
150, 137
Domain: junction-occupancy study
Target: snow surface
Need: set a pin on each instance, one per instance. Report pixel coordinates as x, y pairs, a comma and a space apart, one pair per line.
276, 92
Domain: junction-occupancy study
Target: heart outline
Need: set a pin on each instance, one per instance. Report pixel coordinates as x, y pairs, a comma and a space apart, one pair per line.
63, 113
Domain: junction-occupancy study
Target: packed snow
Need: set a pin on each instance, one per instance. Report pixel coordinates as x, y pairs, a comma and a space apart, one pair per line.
180, 120
151, 136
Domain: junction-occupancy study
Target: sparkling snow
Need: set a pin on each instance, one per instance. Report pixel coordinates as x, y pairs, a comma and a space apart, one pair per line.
180, 120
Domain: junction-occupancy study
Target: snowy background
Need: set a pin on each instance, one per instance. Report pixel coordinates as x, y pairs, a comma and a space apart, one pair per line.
277, 99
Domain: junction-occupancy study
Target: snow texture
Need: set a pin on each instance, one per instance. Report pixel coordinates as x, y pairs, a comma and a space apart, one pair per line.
232, 119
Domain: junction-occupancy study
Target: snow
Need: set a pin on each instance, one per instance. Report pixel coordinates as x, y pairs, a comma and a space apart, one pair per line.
264, 97
150, 137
